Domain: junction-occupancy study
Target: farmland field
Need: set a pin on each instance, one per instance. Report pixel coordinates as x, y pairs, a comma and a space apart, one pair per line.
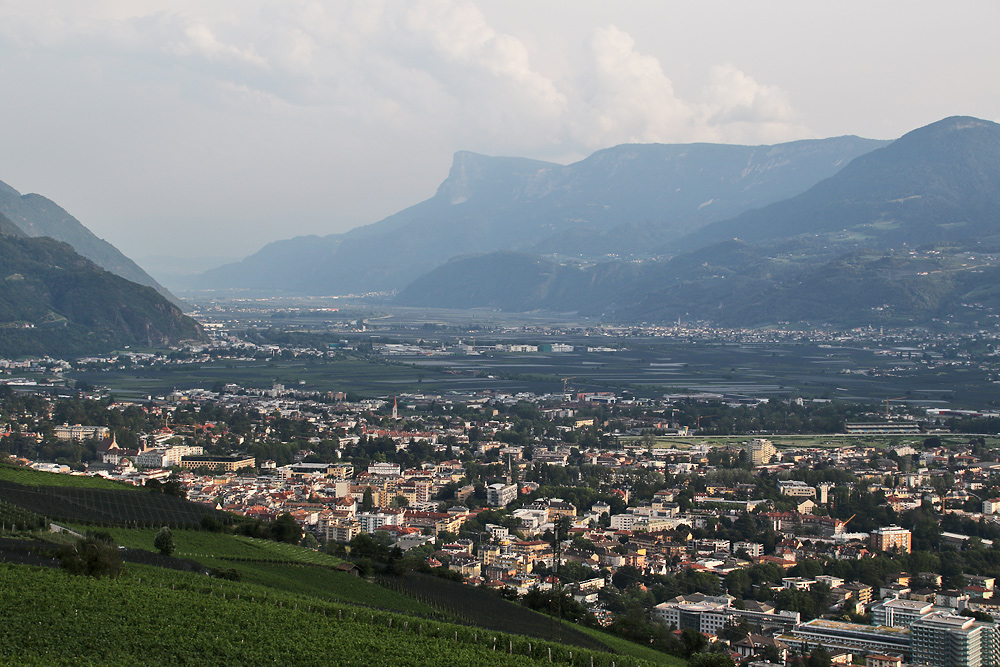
645, 366
284, 567
805, 441
106, 506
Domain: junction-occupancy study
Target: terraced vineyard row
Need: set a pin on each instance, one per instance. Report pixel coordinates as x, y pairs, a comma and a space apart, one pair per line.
13, 517
280, 566
105, 506
484, 609
53, 618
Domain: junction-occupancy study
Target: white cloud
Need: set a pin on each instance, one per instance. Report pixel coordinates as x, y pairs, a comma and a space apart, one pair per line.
200, 40
337, 94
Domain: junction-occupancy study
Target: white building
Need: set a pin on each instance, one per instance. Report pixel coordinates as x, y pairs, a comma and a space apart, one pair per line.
501, 495
796, 489
372, 521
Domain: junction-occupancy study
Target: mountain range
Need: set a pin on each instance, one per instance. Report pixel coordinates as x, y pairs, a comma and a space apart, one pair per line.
842, 231
905, 234
626, 201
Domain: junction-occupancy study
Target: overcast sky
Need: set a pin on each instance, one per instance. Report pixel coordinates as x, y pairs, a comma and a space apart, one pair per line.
209, 128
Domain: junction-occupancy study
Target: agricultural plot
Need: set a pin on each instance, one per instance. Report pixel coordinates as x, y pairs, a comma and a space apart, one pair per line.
199, 544
31, 477
805, 441
645, 366
103, 506
14, 518
176, 618
483, 609
284, 567
370, 378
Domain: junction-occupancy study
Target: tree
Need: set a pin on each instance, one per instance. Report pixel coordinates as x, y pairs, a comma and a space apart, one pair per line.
164, 541
285, 529
94, 556
367, 500
819, 657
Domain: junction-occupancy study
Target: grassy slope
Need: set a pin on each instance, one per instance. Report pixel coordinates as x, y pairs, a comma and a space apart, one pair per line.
625, 647
31, 477
282, 567
490, 611
287, 568
153, 616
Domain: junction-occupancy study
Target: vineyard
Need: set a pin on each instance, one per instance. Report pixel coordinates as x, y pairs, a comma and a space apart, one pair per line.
284, 567
14, 518
53, 618
105, 506
30, 477
487, 610
208, 546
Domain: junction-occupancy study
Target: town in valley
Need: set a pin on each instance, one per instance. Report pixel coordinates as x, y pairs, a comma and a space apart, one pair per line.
764, 528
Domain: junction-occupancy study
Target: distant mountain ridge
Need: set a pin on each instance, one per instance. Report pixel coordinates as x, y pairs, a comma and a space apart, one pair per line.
36, 215
630, 200
905, 234
937, 183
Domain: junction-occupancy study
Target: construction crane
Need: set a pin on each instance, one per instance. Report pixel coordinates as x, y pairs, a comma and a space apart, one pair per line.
887, 401
565, 380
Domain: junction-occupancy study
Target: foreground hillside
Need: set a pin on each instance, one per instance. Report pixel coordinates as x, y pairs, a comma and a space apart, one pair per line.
226, 598
54, 301
149, 617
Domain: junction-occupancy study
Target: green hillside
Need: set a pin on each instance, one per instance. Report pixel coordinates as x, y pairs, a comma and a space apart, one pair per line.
180, 617
54, 301
35, 215
32, 477
155, 617
254, 582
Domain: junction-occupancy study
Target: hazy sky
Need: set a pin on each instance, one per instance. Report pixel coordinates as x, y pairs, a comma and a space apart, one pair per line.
208, 128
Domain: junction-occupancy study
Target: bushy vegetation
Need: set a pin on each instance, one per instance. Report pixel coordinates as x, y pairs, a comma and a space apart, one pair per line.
96, 555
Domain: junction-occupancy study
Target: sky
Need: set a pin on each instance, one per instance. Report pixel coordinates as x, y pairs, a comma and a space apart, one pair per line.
194, 132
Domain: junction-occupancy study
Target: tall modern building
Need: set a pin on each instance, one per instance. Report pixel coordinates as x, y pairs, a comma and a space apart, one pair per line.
760, 451
945, 640
891, 538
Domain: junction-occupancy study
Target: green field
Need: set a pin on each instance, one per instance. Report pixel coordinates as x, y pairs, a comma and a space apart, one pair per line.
646, 366
284, 569
157, 617
366, 378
